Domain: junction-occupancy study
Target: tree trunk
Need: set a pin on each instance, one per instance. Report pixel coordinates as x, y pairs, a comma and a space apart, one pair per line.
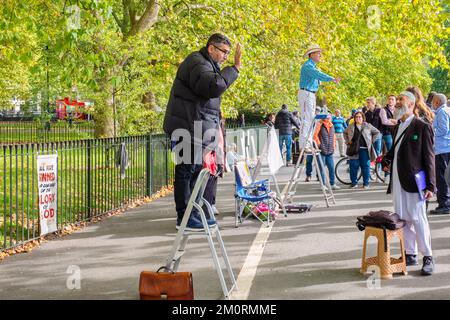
149, 100
104, 113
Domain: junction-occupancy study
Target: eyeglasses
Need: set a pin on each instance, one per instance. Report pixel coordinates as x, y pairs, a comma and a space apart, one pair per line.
225, 52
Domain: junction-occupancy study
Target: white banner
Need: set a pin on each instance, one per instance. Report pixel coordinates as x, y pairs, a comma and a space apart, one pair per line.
48, 189
271, 154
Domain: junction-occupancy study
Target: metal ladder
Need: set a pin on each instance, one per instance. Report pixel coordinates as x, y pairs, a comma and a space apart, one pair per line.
290, 188
178, 249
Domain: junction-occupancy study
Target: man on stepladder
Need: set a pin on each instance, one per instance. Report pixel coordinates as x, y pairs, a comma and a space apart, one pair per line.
310, 78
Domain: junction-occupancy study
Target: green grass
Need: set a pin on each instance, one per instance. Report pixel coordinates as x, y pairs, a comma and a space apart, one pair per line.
18, 185
35, 132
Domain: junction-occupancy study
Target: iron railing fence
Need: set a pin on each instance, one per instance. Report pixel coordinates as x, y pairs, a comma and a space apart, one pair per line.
92, 178
33, 131
89, 180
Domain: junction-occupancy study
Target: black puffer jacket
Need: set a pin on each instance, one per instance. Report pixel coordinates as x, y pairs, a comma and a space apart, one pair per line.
195, 94
284, 122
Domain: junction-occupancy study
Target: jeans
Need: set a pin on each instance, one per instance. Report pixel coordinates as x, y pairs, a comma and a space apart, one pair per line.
288, 140
387, 138
309, 168
364, 162
185, 178
443, 196
377, 145
329, 163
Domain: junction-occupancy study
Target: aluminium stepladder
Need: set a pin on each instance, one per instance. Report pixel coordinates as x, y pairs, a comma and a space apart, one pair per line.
290, 188
178, 249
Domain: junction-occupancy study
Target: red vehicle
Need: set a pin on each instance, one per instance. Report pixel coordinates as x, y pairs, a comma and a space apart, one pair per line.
67, 107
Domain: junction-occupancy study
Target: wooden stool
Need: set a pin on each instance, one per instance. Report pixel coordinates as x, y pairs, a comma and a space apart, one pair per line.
383, 260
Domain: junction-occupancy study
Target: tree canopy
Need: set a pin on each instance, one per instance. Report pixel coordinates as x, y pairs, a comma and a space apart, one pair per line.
123, 54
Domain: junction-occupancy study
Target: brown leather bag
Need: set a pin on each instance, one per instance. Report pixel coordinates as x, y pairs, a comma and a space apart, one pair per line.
166, 285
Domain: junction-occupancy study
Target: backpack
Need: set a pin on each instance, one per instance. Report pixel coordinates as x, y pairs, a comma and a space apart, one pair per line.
380, 219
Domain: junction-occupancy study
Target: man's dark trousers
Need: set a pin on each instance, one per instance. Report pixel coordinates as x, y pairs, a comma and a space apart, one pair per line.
443, 195
185, 178
210, 194
211, 190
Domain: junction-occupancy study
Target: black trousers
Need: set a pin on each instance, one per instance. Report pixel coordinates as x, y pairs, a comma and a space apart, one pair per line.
185, 177
211, 190
443, 196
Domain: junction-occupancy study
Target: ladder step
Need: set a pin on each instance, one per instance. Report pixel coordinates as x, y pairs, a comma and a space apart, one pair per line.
213, 229
178, 255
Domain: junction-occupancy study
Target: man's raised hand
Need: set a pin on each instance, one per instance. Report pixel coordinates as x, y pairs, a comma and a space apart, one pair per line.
237, 56
337, 80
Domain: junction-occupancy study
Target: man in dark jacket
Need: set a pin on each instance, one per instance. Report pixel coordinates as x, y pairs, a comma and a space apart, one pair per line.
283, 123
372, 114
192, 114
412, 153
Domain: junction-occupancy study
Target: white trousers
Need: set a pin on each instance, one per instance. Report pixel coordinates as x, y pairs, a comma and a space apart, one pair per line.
307, 105
417, 234
340, 141
412, 209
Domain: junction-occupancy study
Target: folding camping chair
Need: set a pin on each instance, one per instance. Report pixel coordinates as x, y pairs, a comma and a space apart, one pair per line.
252, 195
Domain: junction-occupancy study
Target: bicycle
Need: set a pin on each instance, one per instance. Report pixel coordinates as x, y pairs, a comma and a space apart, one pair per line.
342, 171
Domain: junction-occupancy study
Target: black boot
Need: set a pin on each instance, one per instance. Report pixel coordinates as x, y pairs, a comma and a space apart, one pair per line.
411, 260
428, 266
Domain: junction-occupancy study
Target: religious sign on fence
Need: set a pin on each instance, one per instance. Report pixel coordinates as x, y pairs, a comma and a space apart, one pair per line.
48, 188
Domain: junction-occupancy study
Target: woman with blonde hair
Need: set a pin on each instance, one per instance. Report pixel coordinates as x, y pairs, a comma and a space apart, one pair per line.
421, 110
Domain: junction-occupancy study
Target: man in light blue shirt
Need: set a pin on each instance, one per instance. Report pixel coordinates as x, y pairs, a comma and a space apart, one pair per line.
339, 128
310, 78
441, 125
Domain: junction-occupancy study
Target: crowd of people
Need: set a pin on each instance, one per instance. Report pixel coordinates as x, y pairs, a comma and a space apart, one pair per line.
362, 136
412, 135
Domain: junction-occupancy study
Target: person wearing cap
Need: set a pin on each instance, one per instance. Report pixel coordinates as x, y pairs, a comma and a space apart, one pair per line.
310, 78
411, 153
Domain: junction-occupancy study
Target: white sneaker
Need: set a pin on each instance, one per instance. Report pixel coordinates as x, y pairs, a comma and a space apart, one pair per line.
335, 187
215, 211
366, 187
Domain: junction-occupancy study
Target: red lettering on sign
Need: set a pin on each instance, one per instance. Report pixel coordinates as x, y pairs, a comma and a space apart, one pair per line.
47, 198
47, 176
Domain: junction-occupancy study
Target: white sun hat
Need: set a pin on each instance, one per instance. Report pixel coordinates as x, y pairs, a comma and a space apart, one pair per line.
311, 49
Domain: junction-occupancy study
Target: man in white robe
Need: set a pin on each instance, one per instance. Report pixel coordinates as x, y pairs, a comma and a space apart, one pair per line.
412, 152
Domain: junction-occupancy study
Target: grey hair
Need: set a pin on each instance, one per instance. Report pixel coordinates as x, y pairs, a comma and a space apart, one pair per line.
441, 98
